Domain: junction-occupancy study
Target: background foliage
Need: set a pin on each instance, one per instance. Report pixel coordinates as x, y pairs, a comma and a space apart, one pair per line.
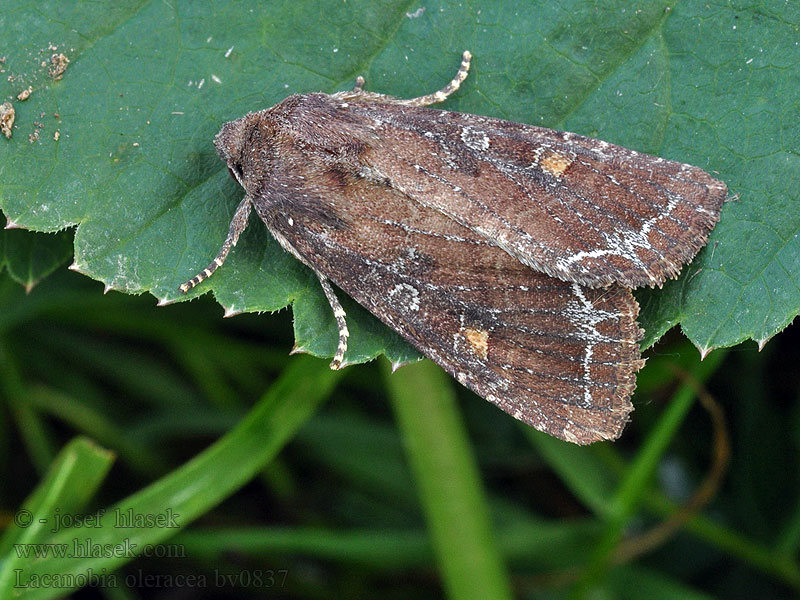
363, 498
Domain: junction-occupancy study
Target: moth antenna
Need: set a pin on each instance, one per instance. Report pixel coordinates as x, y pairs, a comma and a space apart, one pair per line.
237, 226
359, 86
341, 323
443, 93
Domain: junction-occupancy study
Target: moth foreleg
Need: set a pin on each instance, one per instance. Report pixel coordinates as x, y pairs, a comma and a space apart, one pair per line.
237, 226
341, 323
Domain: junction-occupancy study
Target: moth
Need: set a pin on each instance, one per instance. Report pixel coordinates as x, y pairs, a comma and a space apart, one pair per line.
504, 252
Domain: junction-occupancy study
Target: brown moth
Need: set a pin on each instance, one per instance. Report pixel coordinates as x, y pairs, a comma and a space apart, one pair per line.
504, 252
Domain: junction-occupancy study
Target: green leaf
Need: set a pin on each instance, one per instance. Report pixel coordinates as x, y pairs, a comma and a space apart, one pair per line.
525, 541
149, 84
448, 481
184, 494
30, 257
69, 484
635, 583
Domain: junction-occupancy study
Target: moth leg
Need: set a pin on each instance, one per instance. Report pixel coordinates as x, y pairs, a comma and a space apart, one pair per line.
339, 313
443, 93
359, 86
238, 225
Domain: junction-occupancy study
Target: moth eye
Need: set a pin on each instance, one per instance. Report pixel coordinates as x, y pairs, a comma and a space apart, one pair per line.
235, 171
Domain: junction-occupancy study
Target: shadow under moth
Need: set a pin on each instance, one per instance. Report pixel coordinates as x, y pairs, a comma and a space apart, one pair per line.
504, 252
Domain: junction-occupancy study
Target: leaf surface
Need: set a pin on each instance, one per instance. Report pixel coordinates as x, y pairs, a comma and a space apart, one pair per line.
149, 84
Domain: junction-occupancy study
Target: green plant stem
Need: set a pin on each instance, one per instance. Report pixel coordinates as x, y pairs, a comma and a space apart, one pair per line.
449, 483
633, 487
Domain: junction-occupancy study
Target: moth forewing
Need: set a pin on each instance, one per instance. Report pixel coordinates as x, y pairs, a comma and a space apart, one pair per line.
553, 354
573, 207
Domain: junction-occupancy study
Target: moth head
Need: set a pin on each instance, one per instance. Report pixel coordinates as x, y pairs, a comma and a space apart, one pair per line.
246, 146
230, 142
